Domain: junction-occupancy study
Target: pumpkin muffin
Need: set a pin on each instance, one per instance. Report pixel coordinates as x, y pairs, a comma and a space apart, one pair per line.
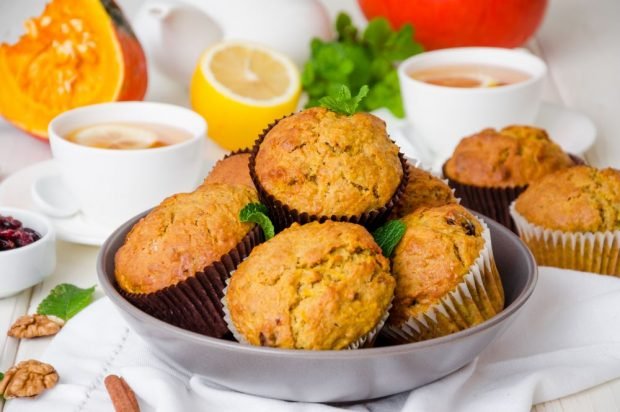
444, 250
571, 219
489, 169
317, 286
232, 170
175, 260
422, 190
325, 165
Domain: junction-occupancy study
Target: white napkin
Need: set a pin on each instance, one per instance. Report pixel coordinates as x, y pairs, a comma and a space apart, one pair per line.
565, 340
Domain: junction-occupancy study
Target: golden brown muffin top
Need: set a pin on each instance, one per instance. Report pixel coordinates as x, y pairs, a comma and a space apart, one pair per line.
422, 190
184, 234
513, 156
316, 286
579, 199
436, 252
323, 163
232, 170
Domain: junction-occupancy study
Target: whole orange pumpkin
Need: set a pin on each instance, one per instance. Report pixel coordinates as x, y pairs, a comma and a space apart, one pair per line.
78, 52
452, 23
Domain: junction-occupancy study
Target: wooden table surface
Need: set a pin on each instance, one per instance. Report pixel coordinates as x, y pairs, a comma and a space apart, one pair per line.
580, 42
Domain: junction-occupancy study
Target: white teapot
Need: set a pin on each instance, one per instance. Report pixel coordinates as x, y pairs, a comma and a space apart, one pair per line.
175, 33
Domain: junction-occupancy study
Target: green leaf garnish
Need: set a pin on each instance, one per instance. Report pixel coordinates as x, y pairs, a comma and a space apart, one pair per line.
1, 376
257, 213
65, 301
355, 59
342, 102
388, 236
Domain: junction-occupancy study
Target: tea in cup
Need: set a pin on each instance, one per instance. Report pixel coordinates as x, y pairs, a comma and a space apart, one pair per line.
119, 159
451, 93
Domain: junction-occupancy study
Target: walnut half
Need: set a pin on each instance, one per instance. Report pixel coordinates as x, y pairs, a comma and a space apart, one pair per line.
33, 326
28, 378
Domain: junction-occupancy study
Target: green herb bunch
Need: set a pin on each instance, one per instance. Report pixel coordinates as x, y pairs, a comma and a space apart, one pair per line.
355, 60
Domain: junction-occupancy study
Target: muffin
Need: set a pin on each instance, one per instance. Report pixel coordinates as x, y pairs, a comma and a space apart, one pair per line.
175, 260
422, 190
232, 170
571, 219
446, 278
489, 169
318, 165
316, 286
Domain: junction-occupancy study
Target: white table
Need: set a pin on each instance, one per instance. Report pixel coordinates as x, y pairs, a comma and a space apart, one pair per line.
580, 43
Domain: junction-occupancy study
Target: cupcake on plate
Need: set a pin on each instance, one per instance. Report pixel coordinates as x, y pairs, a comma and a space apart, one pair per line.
316, 286
423, 190
232, 169
571, 219
175, 260
446, 278
318, 164
489, 169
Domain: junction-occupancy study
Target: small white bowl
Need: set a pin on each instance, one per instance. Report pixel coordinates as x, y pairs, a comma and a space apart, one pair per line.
28, 265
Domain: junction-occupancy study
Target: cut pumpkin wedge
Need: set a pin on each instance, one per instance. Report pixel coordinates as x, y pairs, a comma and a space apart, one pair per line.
78, 52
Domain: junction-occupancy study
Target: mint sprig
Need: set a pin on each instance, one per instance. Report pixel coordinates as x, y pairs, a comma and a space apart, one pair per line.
65, 301
356, 59
342, 102
257, 213
388, 236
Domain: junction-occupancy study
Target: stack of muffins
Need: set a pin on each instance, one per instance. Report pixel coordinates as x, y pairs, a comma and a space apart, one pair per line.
322, 282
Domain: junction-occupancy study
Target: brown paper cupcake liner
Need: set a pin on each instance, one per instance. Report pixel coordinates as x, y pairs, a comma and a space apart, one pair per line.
366, 341
596, 252
195, 303
477, 298
283, 216
493, 202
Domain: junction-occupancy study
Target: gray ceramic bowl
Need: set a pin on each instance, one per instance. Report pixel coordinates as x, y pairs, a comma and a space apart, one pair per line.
328, 376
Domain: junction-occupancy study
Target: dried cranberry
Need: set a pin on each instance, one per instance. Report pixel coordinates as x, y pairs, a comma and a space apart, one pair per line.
6, 244
9, 222
13, 235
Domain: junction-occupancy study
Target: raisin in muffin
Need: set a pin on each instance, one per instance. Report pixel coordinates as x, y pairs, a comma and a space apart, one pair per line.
444, 250
571, 219
316, 286
324, 165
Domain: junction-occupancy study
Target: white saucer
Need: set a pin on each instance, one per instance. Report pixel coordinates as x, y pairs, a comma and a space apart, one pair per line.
15, 191
573, 131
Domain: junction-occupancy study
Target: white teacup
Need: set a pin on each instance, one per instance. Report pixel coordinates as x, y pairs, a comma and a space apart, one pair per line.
441, 116
111, 185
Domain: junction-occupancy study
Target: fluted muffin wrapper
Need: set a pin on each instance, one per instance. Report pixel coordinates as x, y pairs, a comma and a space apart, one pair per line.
365, 341
596, 252
195, 303
283, 215
493, 202
477, 298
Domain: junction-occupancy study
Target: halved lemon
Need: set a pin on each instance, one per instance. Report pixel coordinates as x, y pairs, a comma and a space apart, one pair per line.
241, 87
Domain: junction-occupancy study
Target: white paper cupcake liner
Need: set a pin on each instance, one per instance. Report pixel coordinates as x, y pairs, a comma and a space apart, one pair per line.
477, 298
596, 252
365, 341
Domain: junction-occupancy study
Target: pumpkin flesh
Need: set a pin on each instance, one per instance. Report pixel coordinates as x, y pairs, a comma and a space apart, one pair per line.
78, 52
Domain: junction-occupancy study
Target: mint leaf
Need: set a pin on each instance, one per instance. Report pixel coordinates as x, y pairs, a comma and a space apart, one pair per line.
65, 301
355, 59
1, 376
257, 213
342, 102
388, 236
